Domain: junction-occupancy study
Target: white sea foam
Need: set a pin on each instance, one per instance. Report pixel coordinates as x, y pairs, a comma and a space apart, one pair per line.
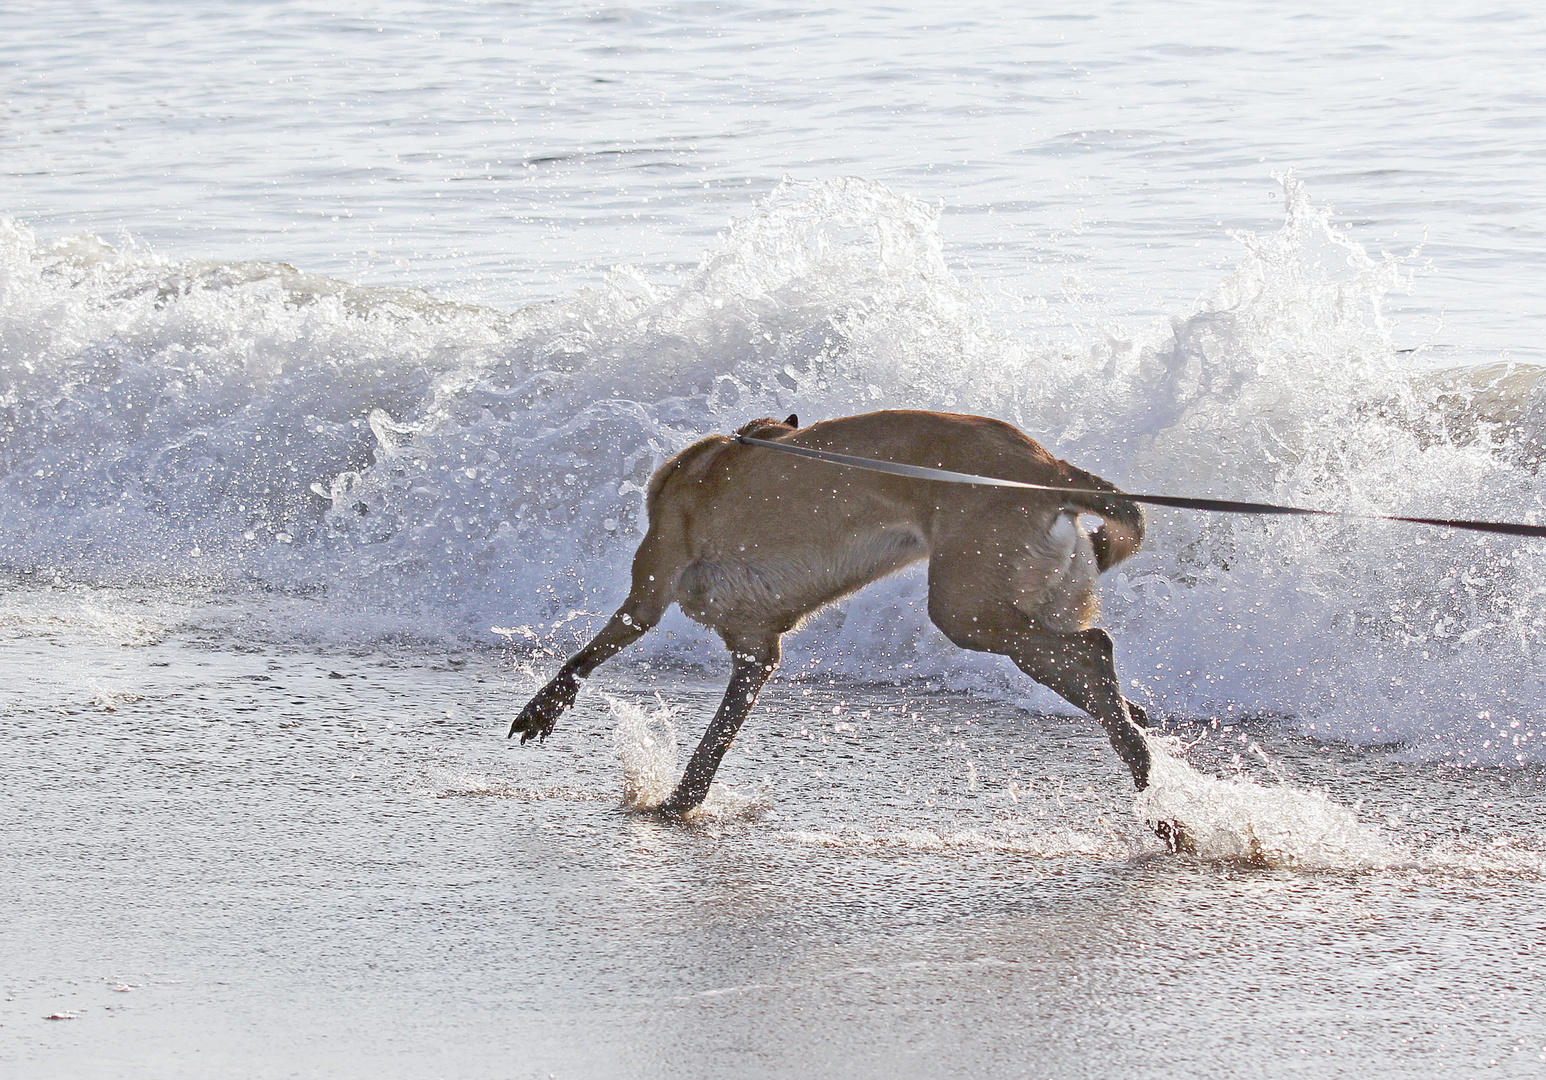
423, 467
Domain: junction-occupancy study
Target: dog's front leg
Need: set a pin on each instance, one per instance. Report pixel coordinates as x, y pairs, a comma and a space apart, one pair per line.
544, 709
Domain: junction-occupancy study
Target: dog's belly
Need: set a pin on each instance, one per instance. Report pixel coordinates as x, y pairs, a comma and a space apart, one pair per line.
778, 589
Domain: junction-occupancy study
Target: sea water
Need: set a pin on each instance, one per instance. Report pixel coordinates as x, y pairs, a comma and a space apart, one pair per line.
338, 346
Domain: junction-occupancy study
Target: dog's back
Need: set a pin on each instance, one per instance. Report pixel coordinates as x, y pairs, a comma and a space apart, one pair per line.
769, 538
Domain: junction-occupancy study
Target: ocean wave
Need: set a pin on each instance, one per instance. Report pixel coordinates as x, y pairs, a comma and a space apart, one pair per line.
404, 461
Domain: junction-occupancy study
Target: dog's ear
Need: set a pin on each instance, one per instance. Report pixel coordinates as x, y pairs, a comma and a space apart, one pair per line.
792, 420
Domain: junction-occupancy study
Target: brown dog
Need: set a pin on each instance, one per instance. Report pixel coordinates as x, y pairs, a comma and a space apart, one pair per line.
750, 541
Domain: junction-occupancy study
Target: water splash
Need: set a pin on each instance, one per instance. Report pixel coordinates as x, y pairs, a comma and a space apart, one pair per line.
644, 741
1280, 827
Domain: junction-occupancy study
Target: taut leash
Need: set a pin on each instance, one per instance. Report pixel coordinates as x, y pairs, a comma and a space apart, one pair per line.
1220, 506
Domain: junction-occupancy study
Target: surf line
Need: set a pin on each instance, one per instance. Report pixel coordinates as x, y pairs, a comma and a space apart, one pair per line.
1219, 506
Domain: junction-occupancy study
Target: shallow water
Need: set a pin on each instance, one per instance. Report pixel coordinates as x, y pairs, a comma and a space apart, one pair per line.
205, 847
337, 344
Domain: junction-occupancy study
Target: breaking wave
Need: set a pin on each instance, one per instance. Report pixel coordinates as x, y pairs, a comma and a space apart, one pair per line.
412, 465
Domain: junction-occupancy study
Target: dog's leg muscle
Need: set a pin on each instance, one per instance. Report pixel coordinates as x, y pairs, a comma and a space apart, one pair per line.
752, 666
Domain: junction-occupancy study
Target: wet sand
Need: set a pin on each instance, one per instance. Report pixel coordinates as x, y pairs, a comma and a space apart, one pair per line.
257, 862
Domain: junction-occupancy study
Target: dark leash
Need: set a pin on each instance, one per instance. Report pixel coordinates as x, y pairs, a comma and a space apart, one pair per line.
1220, 506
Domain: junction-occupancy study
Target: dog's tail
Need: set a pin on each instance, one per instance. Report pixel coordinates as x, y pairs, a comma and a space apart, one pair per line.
1122, 532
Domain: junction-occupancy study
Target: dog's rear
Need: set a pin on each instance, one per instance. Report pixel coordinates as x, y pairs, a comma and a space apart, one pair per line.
1121, 533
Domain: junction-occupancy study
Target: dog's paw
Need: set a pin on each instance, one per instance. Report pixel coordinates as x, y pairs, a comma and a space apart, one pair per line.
678, 806
541, 714
1177, 840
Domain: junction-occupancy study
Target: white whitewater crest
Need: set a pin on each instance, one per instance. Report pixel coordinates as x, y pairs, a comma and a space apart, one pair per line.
644, 741
427, 470
1278, 827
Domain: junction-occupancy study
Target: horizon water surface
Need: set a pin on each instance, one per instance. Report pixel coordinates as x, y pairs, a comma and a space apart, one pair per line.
337, 346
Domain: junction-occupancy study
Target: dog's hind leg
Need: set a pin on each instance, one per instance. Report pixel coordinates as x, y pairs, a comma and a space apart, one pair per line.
752, 664
1078, 667
975, 613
